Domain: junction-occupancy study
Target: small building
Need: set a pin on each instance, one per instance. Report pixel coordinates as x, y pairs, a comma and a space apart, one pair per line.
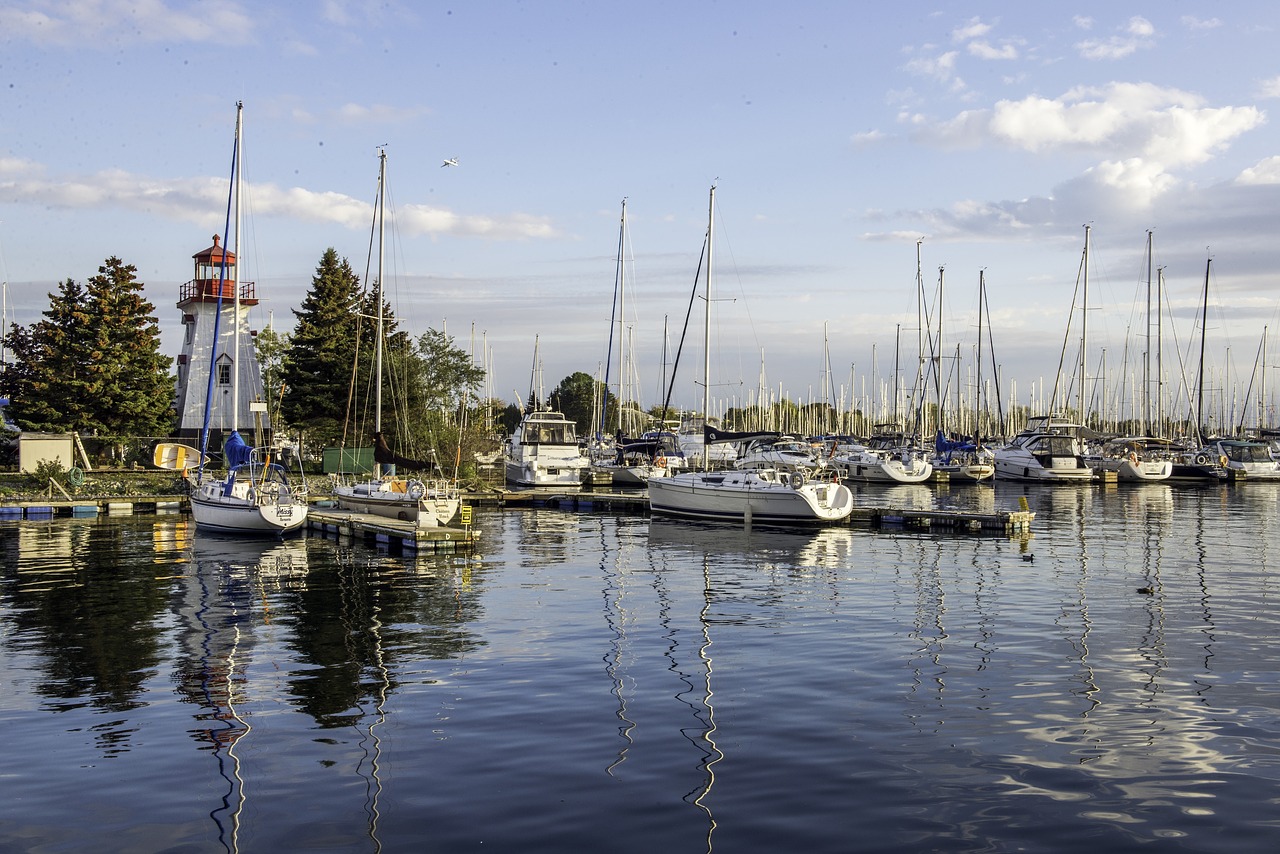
216, 287
36, 448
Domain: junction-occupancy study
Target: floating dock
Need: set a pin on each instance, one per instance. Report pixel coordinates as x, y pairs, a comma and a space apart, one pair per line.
391, 532
959, 521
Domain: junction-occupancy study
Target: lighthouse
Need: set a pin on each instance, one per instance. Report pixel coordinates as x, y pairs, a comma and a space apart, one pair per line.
237, 379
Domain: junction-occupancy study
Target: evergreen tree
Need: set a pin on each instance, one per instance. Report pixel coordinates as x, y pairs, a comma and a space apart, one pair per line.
317, 367
47, 379
127, 377
93, 364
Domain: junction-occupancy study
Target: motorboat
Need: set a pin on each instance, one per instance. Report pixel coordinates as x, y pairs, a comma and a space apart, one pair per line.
1048, 450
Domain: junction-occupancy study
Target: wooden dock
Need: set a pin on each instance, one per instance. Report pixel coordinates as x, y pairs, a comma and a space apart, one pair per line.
390, 532
957, 521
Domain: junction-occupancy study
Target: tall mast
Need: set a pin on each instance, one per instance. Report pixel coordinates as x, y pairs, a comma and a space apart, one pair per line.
977, 426
1084, 338
1204, 319
706, 331
377, 345
1146, 364
235, 279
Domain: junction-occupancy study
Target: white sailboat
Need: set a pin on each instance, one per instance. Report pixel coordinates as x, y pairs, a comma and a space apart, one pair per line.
256, 496
427, 503
758, 495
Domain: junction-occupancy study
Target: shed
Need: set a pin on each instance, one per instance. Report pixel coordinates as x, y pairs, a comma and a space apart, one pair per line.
35, 448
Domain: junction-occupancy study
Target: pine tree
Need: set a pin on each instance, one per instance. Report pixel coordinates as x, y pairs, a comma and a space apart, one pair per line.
92, 364
127, 377
48, 379
317, 366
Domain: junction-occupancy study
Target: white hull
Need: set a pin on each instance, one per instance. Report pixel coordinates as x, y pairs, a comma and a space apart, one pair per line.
1025, 467
1142, 471
240, 513
976, 472
539, 472
740, 496
426, 507
884, 471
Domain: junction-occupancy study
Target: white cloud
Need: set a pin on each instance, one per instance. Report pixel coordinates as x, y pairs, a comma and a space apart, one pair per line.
972, 29
1120, 118
200, 200
868, 138
940, 68
1265, 172
384, 113
983, 50
1083, 22
1270, 88
82, 23
1136, 33
1140, 132
1191, 22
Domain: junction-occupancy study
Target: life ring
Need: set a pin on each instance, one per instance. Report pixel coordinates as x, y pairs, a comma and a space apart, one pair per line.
1223, 461
416, 490
1202, 459
660, 462
797, 480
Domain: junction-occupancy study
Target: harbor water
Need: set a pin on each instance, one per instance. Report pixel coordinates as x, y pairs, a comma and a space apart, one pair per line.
587, 681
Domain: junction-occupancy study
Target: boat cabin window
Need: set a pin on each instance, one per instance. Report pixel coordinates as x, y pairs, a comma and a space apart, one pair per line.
1247, 453
1055, 445
553, 434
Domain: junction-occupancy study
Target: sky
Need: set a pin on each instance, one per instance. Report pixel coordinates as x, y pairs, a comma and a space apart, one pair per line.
845, 141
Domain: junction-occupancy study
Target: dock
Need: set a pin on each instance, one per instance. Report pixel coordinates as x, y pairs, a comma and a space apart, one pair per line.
956, 521
393, 533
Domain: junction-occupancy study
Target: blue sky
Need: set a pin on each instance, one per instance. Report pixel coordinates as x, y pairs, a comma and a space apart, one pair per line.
838, 134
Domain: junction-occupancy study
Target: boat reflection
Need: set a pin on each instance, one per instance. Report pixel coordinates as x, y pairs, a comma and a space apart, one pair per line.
827, 547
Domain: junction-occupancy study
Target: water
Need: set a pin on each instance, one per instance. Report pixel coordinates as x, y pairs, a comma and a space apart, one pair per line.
610, 683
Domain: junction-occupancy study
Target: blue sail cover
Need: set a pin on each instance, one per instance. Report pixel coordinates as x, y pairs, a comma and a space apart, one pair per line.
236, 450
947, 447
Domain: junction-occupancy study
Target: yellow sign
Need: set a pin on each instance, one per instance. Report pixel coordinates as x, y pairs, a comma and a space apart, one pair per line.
466, 515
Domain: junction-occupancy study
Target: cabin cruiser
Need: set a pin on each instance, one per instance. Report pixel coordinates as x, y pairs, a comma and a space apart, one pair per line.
1048, 450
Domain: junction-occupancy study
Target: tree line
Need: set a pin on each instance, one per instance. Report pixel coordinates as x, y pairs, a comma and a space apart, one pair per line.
93, 364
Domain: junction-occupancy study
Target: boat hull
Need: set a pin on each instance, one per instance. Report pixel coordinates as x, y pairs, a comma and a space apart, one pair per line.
232, 515
745, 496
424, 507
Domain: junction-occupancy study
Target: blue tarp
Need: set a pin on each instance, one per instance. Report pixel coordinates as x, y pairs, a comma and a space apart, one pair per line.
236, 450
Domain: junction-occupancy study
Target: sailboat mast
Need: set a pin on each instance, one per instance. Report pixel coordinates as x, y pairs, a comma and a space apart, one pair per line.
977, 422
1084, 337
706, 331
1146, 364
622, 315
235, 280
1204, 319
377, 344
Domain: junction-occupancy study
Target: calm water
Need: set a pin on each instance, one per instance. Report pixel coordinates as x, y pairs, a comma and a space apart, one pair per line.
592, 682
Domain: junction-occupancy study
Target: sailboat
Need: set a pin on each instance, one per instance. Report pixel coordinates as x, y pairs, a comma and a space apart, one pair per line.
628, 462
428, 504
256, 496
762, 495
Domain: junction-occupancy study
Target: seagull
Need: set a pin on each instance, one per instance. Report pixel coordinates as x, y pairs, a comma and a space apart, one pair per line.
452, 161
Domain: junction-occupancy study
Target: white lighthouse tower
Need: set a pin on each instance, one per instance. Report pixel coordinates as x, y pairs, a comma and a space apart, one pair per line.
235, 373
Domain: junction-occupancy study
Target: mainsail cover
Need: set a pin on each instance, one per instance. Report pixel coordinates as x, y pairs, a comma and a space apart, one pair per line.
384, 456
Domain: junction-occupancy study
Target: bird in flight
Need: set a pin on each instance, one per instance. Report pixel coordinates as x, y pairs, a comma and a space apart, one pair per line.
452, 161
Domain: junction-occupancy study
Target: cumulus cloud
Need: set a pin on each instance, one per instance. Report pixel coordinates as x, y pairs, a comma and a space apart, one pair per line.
86, 23
200, 200
1264, 172
1165, 124
972, 29
983, 50
1137, 33
1141, 133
